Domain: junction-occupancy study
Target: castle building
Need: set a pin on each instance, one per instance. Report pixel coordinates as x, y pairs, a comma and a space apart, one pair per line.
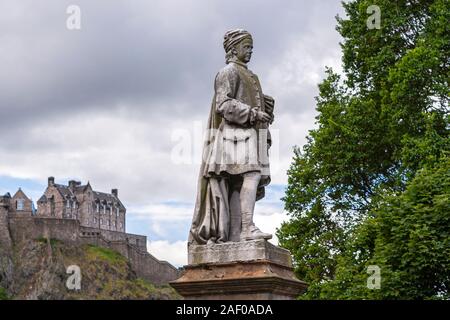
21, 204
80, 202
77, 214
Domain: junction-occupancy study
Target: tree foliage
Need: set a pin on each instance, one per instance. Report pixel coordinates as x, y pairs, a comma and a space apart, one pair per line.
383, 132
407, 237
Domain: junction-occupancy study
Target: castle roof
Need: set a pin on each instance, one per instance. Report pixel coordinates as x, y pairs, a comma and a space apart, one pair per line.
67, 192
64, 190
21, 194
80, 188
107, 197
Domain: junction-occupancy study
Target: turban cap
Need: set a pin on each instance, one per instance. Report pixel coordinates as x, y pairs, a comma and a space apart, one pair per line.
233, 37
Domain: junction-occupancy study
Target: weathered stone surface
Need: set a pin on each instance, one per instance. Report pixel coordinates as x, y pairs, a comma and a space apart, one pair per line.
238, 251
250, 280
235, 167
228, 256
250, 270
65, 222
80, 202
6, 262
146, 266
40, 273
5, 239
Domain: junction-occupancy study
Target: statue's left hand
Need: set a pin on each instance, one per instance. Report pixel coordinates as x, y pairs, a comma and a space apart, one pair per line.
263, 116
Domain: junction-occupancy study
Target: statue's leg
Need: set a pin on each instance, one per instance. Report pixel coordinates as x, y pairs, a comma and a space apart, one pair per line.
247, 200
235, 209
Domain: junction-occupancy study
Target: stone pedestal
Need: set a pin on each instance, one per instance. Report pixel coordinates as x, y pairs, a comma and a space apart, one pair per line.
250, 270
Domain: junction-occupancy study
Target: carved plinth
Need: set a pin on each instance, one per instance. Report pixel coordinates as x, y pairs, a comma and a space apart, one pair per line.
251, 270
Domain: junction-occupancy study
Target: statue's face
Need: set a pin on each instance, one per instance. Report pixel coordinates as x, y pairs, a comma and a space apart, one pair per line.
244, 50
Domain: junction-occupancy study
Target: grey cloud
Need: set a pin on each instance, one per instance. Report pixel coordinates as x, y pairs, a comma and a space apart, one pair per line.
146, 55
146, 65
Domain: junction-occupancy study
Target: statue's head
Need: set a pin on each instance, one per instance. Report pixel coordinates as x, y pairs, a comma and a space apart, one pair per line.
238, 45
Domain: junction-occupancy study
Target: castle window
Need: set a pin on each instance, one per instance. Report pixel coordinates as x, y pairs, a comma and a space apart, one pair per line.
101, 221
20, 205
109, 223
68, 204
98, 207
95, 220
52, 206
74, 205
104, 209
117, 212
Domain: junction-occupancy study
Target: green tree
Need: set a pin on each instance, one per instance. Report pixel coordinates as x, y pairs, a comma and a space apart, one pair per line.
379, 124
408, 237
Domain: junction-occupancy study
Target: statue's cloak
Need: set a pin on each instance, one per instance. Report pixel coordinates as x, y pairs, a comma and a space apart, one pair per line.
211, 220
211, 214
231, 124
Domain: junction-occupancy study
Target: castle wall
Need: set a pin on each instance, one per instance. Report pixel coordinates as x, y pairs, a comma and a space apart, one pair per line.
133, 247
5, 239
133, 239
6, 244
25, 228
148, 267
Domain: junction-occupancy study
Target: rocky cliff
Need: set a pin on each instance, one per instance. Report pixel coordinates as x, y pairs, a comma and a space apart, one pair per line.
37, 269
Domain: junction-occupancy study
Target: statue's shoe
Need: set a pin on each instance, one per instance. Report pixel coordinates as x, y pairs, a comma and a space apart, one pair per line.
253, 233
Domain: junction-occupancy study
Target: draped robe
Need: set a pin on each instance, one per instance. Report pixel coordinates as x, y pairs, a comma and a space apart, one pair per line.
232, 124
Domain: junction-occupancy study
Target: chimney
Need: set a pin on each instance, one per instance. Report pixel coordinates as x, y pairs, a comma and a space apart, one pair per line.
72, 184
5, 201
115, 193
51, 181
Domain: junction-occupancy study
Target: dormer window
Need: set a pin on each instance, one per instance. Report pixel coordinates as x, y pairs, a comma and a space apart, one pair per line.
68, 204
74, 205
98, 207
20, 205
117, 212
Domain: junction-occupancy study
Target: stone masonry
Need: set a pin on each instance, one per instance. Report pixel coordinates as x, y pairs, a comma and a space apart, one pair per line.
80, 202
79, 215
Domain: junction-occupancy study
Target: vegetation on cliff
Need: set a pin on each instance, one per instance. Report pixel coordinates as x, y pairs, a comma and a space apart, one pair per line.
40, 272
3, 294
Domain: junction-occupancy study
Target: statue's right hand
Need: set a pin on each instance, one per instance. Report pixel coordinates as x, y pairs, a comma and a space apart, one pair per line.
262, 116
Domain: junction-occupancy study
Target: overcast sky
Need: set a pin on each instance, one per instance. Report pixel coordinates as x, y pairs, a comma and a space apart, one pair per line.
111, 102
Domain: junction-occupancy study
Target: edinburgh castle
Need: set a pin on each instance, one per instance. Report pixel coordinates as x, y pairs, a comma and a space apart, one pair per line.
77, 214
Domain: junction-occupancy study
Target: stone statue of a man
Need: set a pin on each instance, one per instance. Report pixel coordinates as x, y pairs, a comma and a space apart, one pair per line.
235, 166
